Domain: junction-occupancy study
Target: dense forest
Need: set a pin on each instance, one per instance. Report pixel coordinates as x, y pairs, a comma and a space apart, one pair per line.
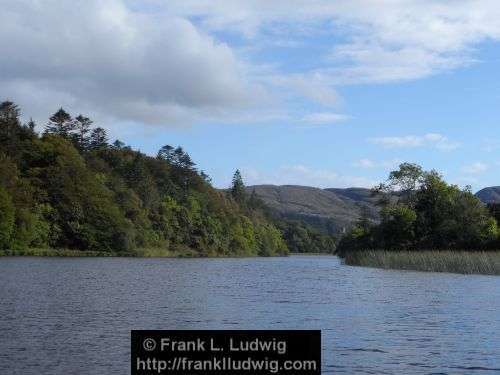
420, 211
70, 188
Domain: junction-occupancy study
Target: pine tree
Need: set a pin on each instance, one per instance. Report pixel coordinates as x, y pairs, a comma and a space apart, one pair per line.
205, 177
166, 153
98, 139
9, 112
117, 144
238, 188
60, 123
82, 126
11, 131
31, 125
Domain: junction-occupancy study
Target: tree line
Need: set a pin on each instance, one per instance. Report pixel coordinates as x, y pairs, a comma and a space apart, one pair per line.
70, 188
421, 211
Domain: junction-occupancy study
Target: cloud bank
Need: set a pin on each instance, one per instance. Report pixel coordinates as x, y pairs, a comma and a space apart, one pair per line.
103, 57
182, 61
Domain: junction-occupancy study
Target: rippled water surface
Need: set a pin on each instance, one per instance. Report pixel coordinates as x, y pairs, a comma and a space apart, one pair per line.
74, 315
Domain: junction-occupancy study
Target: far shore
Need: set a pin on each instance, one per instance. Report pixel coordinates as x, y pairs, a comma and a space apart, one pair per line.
140, 253
462, 262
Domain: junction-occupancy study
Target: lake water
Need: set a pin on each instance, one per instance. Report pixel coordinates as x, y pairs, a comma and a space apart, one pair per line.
74, 315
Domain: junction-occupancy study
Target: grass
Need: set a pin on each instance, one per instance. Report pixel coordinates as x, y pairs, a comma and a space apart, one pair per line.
464, 262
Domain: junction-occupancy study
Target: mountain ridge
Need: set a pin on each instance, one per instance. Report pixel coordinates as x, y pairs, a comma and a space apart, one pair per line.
489, 194
332, 210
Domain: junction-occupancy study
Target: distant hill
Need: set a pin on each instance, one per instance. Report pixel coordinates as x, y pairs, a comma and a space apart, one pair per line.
489, 194
330, 210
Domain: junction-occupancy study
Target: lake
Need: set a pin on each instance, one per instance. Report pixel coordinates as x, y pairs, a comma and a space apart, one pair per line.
74, 315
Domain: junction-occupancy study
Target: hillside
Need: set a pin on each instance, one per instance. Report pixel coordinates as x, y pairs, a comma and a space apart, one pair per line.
330, 210
489, 194
69, 188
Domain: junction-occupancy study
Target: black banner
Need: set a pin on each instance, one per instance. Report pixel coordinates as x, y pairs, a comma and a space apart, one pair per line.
226, 352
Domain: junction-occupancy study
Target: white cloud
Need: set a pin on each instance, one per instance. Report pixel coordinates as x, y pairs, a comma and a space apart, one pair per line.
156, 61
303, 175
324, 118
475, 168
433, 140
372, 164
382, 40
103, 57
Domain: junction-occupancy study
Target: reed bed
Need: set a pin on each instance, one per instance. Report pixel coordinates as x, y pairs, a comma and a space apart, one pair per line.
463, 262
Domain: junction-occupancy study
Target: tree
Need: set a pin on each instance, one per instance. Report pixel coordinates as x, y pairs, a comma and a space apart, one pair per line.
117, 144
116, 199
398, 227
98, 139
186, 162
7, 216
60, 123
31, 125
205, 177
166, 153
238, 188
429, 214
9, 120
402, 183
12, 133
9, 111
82, 127
494, 209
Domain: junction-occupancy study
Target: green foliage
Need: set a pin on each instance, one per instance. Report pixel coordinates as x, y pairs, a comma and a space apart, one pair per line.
424, 212
302, 238
6, 218
69, 189
60, 123
238, 188
398, 222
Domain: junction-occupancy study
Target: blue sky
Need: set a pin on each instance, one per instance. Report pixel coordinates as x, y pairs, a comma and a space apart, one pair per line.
321, 93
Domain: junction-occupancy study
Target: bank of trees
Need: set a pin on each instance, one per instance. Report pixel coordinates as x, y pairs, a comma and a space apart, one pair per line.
420, 211
69, 188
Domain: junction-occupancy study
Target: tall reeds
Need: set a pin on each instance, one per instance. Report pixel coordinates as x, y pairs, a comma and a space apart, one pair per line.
464, 262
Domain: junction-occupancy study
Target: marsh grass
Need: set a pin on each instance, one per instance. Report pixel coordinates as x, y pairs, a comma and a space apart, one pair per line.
464, 262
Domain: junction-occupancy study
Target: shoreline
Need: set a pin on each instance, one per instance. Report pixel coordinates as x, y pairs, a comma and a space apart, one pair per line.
444, 261
141, 253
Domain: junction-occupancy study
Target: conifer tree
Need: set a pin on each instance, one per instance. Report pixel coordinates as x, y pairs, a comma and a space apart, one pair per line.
117, 144
166, 153
98, 139
82, 126
238, 188
60, 123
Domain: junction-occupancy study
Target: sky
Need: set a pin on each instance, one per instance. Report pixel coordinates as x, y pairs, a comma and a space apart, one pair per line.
311, 92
